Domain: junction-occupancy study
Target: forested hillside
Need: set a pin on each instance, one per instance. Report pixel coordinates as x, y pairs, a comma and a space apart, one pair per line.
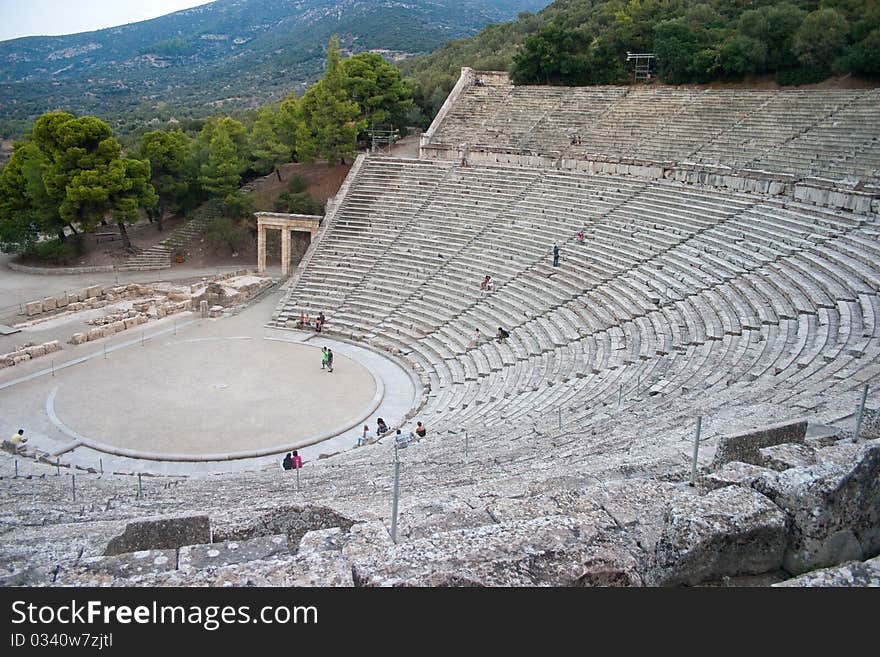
225, 55
585, 42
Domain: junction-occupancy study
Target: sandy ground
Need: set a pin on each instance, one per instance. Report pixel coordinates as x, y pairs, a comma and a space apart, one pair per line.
211, 394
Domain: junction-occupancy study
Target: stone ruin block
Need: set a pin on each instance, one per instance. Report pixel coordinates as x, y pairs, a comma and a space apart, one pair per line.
118, 326
49, 304
78, 338
870, 428
833, 510
36, 351
161, 534
62, 300
227, 553
746, 447
178, 296
160, 311
52, 347
215, 311
33, 308
129, 322
21, 358
5, 361
95, 334
141, 319
134, 565
784, 457
730, 531
94, 291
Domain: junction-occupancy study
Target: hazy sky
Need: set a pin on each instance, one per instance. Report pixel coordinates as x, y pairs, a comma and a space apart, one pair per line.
50, 17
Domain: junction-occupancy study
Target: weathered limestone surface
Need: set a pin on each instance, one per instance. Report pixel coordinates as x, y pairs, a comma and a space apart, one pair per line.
746, 447
132, 564
790, 455
730, 531
833, 510
549, 551
732, 474
870, 429
161, 534
850, 574
231, 552
294, 521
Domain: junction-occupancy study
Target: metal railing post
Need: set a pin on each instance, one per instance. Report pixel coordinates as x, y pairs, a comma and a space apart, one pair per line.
696, 450
396, 492
859, 413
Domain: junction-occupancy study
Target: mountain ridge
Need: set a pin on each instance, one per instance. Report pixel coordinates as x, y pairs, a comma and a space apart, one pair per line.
229, 53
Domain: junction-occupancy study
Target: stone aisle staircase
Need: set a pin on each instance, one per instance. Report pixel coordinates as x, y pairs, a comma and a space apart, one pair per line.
159, 255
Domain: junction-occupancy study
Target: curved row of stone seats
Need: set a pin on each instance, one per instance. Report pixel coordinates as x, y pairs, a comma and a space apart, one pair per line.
835, 145
382, 201
692, 261
823, 133
503, 476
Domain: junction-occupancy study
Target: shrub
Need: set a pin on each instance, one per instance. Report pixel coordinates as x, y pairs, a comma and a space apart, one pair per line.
54, 252
303, 203
297, 185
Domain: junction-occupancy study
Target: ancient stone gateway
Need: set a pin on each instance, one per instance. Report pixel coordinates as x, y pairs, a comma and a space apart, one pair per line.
285, 223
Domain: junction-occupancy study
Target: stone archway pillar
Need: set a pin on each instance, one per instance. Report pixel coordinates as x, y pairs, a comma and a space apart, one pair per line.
261, 248
285, 252
285, 223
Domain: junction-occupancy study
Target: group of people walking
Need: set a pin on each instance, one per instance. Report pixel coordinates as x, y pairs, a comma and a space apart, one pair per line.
327, 359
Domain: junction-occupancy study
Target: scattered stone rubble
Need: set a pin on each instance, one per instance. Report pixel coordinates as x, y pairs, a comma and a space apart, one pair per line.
27, 352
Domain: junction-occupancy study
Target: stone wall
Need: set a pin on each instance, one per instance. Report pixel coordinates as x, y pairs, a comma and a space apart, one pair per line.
49, 271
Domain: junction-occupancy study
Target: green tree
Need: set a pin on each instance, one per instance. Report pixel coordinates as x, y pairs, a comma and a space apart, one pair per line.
551, 55
740, 55
377, 88
201, 147
821, 38
774, 26
267, 149
221, 174
327, 122
285, 123
864, 58
168, 154
20, 221
86, 174
676, 44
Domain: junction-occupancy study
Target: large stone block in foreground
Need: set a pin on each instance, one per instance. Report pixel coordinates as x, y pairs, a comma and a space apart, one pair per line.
161, 534
731, 531
833, 510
